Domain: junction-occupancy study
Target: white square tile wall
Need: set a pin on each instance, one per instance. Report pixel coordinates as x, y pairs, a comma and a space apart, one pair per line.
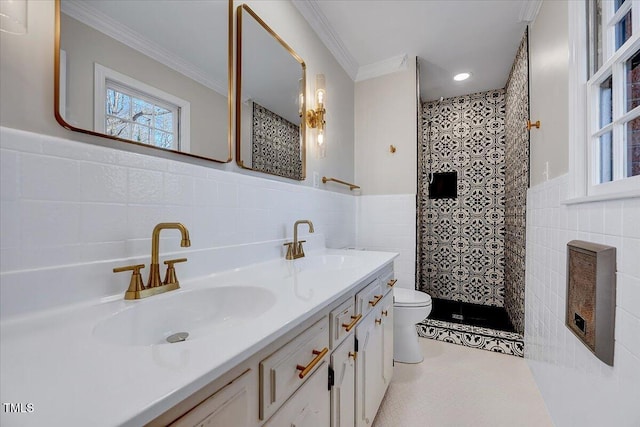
577, 387
69, 206
388, 223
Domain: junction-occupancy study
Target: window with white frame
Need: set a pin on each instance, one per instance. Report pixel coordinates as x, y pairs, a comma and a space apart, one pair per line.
129, 109
613, 96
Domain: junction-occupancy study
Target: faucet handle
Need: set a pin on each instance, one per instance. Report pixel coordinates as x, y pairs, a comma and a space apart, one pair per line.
300, 249
170, 278
135, 284
289, 246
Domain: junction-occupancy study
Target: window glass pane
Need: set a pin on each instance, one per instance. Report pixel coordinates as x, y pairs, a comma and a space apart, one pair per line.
142, 112
594, 35
632, 91
618, 3
118, 104
606, 157
623, 30
606, 104
633, 147
163, 139
140, 133
117, 127
163, 119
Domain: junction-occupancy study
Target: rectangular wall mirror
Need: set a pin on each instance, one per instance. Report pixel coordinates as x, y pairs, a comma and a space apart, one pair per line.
154, 73
270, 84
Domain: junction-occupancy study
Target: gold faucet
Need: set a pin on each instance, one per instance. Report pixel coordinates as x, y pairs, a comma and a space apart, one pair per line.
155, 286
294, 249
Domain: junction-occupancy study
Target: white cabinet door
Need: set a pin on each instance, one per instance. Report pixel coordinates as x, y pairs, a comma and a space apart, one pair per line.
227, 407
387, 338
309, 406
369, 368
343, 390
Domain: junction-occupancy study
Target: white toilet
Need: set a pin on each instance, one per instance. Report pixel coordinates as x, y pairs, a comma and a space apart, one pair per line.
409, 307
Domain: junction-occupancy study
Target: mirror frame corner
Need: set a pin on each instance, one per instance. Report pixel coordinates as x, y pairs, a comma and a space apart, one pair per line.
238, 94
230, 102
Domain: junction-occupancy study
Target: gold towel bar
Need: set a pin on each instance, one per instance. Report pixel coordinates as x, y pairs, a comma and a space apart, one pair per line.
351, 186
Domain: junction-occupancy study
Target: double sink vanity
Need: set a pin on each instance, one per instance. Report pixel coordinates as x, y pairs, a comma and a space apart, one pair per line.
302, 342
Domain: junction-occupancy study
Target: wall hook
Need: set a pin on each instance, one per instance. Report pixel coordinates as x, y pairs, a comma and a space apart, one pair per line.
533, 125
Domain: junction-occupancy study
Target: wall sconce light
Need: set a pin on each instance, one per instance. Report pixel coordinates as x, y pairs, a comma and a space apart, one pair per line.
13, 16
315, 117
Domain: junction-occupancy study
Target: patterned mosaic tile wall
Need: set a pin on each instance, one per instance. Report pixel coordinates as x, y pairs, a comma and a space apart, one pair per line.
517, 183
275, 144
461, 250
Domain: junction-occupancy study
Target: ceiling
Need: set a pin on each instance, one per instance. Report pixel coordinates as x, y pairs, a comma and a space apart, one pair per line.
371, 38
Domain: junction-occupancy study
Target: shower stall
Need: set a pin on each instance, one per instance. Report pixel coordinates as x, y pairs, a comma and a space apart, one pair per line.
472, 183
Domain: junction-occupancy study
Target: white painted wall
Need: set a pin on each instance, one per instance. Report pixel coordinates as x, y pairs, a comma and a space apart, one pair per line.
578, 389
549, 91
388, 223
387, 113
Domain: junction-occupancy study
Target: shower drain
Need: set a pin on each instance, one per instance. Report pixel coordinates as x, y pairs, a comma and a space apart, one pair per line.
178, 337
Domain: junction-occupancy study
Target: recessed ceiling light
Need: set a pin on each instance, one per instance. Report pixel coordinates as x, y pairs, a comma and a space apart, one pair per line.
462, 76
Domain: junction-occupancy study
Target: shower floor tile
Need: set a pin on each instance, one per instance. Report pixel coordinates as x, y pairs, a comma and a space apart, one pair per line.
471, 314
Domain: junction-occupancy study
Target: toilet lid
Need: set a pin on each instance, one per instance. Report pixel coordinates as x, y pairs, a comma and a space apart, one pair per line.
410, 298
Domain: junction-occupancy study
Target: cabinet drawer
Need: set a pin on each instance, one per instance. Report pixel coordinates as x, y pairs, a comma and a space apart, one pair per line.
369, 297
387, 280
342, 321
309, 406
282, 373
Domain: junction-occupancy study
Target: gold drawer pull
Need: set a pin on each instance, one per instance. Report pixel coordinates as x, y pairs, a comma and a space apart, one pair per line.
376, 300
354, 319
392, 283
385, 313
306, 369
378, 321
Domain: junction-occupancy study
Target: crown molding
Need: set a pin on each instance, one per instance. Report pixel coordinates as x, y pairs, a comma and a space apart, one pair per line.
88, 15
386, 66
529, 10
312, 13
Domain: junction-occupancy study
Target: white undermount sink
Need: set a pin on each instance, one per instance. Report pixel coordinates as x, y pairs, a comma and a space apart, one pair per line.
197, 312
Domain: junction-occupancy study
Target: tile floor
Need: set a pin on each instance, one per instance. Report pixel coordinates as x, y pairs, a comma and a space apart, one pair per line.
459, 386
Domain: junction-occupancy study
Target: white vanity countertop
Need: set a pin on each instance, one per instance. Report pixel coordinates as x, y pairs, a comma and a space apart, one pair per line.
53, 361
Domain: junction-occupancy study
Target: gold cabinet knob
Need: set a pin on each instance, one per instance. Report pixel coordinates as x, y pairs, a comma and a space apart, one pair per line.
385, 313
378, 321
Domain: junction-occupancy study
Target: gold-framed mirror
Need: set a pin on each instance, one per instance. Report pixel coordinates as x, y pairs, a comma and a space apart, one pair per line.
270, 102
154, 76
